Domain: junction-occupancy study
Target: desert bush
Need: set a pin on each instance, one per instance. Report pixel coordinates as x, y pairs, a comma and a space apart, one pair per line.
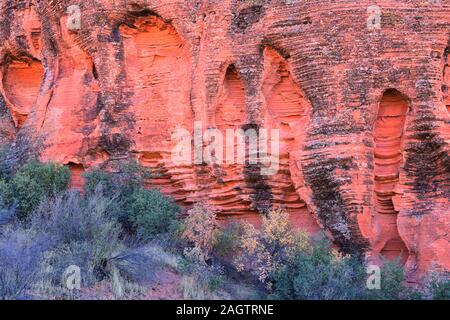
276, 229
146, 212
240, 242
293, 267
280, 240
110, 185
392, 280
439, 286
83, 233
200, 231
288, 263
140, 264
229, 240
32, 183
165, 257
86, 235
5, 170
194, 289
319, 274
262, 252
95, 178
7, 213
201, 281
393, 286
151, 213
21, 253
122, 182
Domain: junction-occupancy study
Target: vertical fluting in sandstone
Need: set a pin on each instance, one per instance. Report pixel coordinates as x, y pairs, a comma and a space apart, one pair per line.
33, 30
21, 70
66, 111
228, 190
21, 83
230, 113
157, 80
23, 73
287, 111
388, 157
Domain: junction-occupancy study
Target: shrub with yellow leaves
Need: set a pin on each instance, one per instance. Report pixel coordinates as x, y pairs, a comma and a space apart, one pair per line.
200, 231
261, 252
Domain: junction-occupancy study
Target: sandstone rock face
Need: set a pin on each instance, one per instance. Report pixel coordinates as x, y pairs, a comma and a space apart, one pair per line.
361, 102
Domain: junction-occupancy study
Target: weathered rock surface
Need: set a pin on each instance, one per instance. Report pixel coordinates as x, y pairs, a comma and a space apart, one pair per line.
363, 113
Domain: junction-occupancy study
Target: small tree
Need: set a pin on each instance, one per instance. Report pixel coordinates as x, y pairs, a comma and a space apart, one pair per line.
262, 252
200, 230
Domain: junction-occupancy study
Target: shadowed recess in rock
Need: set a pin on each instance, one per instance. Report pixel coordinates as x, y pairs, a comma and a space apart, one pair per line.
228, 190
286, 111
32, 27
157, 79
230, 113
388, 136
21, 83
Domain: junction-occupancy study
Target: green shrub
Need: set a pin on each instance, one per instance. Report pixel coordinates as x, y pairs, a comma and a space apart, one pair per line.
128, 178
439, 286
228, 240
5, 170
320, 274
96, 178
392, 288
151, 213
32, 183
132, 202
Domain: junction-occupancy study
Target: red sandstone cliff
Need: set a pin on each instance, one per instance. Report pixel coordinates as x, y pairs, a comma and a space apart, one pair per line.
364, 115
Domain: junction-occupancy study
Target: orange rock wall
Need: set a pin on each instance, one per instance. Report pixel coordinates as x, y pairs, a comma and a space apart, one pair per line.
363, 114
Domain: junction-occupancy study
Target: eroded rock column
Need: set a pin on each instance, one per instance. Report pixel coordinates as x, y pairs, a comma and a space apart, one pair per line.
287, 110
228, 190
388, 157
